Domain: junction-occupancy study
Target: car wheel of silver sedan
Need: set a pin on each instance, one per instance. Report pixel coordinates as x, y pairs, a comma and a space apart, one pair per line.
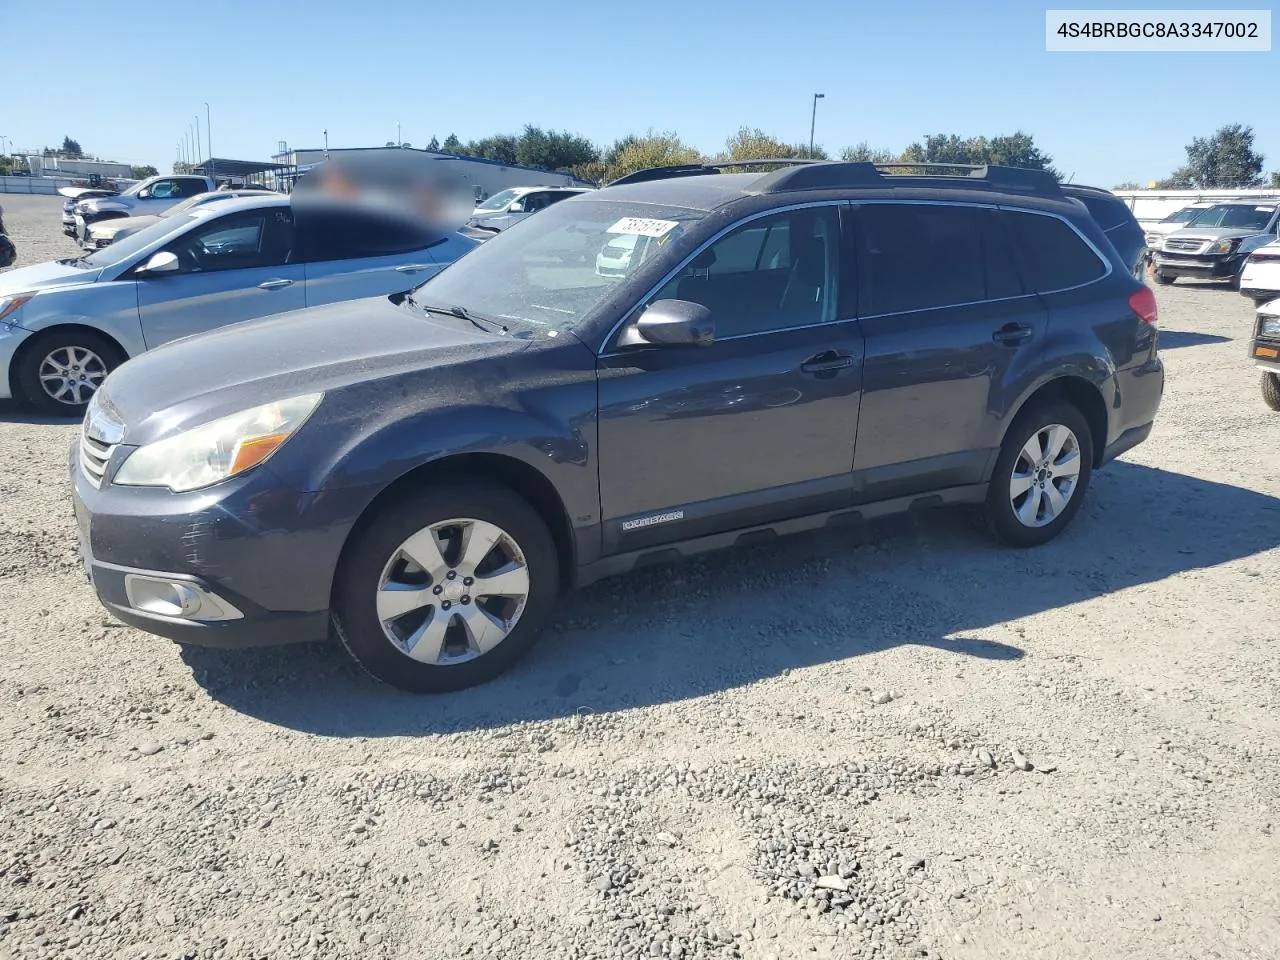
60, 371
445, 587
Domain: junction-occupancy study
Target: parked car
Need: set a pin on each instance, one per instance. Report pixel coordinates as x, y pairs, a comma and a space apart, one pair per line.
511, 206
105, 232
73, 196
1216, 245
65, 325
425, 472
150, 196
1117, 221
1265, 351
1260, 275
1156, 232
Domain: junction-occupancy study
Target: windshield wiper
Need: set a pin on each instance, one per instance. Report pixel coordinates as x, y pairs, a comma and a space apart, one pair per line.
81, 262
462, 313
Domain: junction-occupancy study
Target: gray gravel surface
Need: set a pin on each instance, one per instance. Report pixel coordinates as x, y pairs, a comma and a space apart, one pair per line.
912, 743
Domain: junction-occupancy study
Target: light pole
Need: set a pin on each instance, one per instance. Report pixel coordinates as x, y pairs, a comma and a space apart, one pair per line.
397, 133
208, 138
326, 144
813, 120
199, 149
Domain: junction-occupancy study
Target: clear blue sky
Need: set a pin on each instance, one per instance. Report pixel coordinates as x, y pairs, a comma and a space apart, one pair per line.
891, 73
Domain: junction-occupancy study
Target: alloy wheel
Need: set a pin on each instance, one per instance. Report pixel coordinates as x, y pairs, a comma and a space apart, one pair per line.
1045, 475
71, 374
453, 591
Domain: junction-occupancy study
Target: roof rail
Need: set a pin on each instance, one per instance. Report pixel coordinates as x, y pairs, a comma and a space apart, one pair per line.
837, 174
700, 169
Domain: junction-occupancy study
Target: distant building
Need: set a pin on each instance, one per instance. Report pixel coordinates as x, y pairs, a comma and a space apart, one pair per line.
486, 177
65, 167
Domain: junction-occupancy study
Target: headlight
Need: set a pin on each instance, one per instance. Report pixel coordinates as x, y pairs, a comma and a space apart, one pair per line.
1269, 327
215, 451
1223, 246
9, 305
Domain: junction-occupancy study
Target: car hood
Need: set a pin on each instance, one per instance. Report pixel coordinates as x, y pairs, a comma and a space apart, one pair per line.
55, 273
1212, 233
197, 379
80, 193
110, 228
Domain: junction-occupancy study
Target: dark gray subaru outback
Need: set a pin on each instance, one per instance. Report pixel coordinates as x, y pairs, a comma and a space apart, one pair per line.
682, 361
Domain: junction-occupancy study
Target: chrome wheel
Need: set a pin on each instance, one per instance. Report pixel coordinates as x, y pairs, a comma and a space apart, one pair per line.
1045, 475
453, 591
71, 375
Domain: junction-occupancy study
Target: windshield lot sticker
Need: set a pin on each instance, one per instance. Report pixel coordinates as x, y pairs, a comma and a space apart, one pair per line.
643, 227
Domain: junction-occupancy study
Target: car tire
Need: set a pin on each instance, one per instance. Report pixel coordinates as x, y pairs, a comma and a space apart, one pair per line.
1164, 279
83, 356
1271, 390
1021, 508
386, 604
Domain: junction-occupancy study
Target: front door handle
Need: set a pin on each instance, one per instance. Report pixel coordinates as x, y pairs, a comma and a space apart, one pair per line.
1012, 334
413, 267
275, 284
829, 361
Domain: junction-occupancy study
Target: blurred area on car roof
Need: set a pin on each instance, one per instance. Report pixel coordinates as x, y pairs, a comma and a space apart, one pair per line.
403, 184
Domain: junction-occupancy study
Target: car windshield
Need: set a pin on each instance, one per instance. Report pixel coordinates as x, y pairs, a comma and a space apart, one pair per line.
1185, 215
499, 200
123, 249
553, 270
1237, 216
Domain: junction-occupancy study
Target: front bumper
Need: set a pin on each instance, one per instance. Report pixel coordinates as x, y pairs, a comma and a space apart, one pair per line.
1202, 266
1265, 354
259, 550
11, 338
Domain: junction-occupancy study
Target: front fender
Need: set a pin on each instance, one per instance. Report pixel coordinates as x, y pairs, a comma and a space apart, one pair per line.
110, 307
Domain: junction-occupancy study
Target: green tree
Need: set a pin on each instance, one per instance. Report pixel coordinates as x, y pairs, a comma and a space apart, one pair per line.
752, 143
501, 147
71, 148
434, 145
141, 173
452, 144
1014, 150
609, 156
653, 150
1226, 159
549, 150
1127, 185
865, 153
1275, 179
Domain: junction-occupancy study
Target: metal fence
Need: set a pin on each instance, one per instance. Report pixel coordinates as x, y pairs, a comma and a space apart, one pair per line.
44, 185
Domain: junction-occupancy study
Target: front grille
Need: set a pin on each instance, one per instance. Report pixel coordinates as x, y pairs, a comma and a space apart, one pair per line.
94, 457
1191, 245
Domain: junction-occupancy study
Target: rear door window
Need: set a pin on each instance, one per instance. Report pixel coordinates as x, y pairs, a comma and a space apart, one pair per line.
919, 257
1056, 256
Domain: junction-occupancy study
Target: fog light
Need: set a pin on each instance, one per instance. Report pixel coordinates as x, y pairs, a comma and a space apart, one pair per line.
177, 599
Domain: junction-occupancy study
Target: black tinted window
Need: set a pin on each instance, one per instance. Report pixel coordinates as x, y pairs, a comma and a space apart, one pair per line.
918, 256
1056, 255
347, 234
1108, 212
260, 238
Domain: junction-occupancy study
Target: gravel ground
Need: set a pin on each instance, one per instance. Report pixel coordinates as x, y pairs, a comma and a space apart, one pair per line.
917, 744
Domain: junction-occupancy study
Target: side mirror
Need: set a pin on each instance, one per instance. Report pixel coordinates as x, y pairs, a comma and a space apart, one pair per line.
144, 193
673, 322
162, 262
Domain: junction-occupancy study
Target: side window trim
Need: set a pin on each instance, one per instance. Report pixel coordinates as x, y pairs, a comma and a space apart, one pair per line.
608, 346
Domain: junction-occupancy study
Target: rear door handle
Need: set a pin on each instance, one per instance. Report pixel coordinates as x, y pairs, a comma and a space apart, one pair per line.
1011, 334
414, 267
275, 284
828, 361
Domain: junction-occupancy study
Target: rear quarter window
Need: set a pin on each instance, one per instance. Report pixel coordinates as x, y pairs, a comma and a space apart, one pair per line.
1107, 212
1056, 257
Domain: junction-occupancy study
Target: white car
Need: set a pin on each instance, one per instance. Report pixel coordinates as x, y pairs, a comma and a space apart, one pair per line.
106, 232
1174, 221
511, 206
1260, 277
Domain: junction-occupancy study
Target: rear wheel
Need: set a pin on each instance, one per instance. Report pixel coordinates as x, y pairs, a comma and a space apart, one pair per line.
1041, 475
59, 371
446, 587
1271, 390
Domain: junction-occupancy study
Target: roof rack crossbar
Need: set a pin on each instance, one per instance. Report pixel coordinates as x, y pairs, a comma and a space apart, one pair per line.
701, 169
837, 174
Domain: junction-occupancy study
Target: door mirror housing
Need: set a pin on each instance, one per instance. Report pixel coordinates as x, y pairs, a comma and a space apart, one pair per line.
144, 193
162, 262
672, 323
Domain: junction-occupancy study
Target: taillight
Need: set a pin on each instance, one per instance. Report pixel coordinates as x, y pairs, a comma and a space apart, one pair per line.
1143, 303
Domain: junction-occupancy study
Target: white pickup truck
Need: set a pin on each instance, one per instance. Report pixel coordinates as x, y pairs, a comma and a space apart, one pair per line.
150, 196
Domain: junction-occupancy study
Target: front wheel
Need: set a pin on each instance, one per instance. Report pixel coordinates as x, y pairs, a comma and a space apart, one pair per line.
1271, 390
1041, 475
1164, 279
60, 371
446, 587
